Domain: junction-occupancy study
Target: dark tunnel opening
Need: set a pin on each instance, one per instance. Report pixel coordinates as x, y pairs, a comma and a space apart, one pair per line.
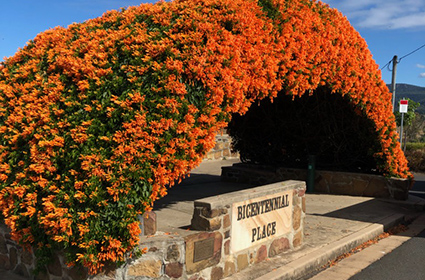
284, 132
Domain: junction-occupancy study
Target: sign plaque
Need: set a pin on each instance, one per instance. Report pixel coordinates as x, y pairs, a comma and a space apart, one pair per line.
259, 219
403, 106
203, 249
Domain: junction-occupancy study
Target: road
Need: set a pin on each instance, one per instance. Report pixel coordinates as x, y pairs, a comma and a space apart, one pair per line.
406, 262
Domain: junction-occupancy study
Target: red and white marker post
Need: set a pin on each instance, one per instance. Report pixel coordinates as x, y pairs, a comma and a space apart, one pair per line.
402, 109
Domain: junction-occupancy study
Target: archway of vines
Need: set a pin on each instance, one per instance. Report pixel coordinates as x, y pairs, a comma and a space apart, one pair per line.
286, 131
98, 119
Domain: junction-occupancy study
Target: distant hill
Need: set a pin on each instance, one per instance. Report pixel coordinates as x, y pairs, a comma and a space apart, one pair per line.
415, 93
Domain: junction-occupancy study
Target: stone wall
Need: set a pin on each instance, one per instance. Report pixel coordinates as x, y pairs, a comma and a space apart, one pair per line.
222, 148
178, 256
164, 259
19, 261
172, 256
12, 256
22, 262
330, 182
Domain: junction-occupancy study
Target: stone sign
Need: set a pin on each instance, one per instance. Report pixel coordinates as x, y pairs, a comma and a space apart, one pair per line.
248, 226
260, 219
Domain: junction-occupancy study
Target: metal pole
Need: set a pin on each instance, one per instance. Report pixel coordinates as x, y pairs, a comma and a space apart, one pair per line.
393, 80
401, 131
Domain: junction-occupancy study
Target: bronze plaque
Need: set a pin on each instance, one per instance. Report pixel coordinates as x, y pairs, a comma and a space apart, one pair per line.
203, 249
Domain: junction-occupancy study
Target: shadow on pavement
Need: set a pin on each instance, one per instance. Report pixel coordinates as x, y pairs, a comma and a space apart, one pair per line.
371, 211
197, 186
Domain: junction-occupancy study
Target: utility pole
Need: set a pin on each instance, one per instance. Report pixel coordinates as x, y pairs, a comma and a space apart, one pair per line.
395, 58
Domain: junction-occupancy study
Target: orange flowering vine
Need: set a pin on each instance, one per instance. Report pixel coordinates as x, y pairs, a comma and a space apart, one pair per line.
99, 118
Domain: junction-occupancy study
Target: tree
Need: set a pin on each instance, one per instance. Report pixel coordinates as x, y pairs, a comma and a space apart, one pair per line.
416, 130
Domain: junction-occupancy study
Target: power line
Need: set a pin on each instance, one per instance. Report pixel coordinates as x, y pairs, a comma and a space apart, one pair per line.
396, 61
412, 52
387, 65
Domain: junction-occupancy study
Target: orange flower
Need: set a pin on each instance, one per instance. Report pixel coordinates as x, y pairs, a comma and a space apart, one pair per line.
124, 105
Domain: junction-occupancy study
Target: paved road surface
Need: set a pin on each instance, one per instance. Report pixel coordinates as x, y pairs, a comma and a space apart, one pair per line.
406, 262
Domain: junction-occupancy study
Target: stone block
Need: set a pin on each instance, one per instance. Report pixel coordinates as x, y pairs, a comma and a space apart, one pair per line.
229, 268
148, 223
377, 187
399, 195
226, 221
295, 199
360, 185
13, 257
217, 155
227, 247
55, 267
224, 201
343, 187
199, 222
173, 253
206, 224
152, 249
216, 273
301, 192
194, 277
43, 275
322, 182
27, 257
219, 146
399, 188
167, 247
242, 261
109, 272
210, 155
77, 273
296, 217
145, 267
278, 246
234, 154
227, 153
251, 259
8, 238
298, 239
261, 254
4, 262
3, 247
21, 269
192, 266
174, 270
303, 205
211, 213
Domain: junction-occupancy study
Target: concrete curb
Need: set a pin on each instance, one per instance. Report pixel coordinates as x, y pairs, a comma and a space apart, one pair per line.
413, 202
310, 262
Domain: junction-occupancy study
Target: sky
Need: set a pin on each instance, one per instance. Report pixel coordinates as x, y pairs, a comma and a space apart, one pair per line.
390, 27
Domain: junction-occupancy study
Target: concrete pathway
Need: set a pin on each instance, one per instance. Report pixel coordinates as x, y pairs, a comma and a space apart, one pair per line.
334, 224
